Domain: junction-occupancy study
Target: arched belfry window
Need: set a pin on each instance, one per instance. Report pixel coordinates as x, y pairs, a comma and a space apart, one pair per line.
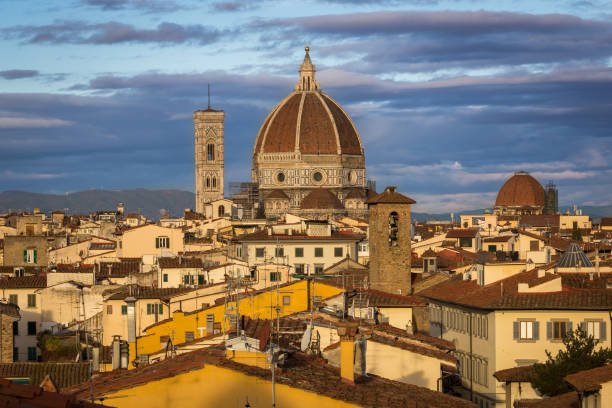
207, 182
393, 228
210, 152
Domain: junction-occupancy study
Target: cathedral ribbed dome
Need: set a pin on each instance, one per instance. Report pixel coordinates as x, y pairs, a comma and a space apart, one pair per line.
309, 122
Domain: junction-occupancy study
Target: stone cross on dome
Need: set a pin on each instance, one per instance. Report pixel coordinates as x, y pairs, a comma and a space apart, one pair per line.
307, 80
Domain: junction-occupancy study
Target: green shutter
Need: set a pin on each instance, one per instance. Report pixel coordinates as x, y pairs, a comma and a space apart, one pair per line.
148, 308
156, 242
25, 256
161, 309
34, 256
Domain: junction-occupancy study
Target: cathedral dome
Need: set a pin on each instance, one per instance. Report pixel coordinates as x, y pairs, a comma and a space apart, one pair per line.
308, 121
521, 190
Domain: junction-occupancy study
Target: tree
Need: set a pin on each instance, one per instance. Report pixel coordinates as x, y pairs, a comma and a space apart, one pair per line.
576, 234
579, 355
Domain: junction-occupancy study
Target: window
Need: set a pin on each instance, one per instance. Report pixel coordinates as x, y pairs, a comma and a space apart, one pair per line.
15, 328
299, 269
526, 330
275, 276
393, 228
280, 177
319, 252
123, 309
465, 242
595, 329
317, 176
534, 245
165, 277
189, 336
492, 248
31, 300
162, 242
32, 355
299, 252
558, 329
318, 268
29, 255
109, 309
13, 299
260, 252
279, 252
210, 150
15, 353
214, 182
221, 211
31, 328
201, 280
286, 300
338, 252
154, 308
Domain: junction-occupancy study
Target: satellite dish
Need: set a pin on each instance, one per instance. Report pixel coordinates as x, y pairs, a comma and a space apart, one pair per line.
306, 339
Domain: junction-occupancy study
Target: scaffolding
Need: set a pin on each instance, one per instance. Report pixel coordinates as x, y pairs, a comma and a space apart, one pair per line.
245, 194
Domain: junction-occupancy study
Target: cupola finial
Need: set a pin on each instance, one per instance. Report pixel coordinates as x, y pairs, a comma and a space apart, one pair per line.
307, 80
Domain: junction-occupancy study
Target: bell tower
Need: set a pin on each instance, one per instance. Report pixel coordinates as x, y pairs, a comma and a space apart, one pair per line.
389, 236
209, 141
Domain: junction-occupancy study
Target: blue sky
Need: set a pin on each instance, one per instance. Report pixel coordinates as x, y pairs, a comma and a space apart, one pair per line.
450, 97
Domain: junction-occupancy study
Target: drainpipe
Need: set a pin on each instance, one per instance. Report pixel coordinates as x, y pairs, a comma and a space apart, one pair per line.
471, 363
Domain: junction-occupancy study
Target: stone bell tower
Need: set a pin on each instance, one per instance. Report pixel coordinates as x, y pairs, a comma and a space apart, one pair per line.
390, 231
209, 140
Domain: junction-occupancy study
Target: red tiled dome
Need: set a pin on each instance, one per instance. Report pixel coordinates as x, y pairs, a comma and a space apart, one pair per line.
313, 122
521, 190
321, 199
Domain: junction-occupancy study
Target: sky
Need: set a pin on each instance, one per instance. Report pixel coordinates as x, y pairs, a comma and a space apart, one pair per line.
450, 97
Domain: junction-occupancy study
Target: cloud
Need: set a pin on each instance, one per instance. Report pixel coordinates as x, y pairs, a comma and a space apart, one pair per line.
22, 122
80, 32
150, 6
13, 175
233, 6
18, 73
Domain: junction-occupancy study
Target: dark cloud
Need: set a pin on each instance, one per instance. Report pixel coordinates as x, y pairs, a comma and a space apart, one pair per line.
80, 32
232, 6
150, 6
18, 73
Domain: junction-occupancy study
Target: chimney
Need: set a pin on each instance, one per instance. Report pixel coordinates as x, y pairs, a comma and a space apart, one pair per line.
116, 352
541, 273
131, 318
347, 332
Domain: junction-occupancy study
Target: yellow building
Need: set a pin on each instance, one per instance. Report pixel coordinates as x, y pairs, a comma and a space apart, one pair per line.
513, 321
206, 378
265, 304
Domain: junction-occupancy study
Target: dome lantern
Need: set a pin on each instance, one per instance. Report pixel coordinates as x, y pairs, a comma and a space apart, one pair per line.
307, 80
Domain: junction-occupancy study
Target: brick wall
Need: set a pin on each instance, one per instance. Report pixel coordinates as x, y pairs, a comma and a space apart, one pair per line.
6, 339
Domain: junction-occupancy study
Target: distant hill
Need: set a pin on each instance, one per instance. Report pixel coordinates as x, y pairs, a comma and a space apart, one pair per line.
147, 202
150, 202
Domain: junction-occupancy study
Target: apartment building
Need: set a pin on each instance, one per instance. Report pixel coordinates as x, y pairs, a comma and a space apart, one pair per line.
513, 322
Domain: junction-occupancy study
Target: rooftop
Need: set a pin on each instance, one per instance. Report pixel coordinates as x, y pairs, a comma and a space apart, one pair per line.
300, 371
62, 374
503, 294
590, 380
24, 282
22, 395
335, 235
143, 292
462, 233
390, 196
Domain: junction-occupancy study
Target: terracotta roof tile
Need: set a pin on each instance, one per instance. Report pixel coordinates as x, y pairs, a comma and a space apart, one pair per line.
143, 292
281, 129
335, 235
568, 400
349, 139
117, 269
321, 198
414, 347
304, 372
491, 296
62, 374
317, 135
179, 262
278, 194
390, 196
382, 299
590, 380
24, 282
22, 395
515, 374
462, 233
521, 190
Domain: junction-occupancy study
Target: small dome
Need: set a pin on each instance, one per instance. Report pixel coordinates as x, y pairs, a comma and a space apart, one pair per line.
321, 199
574, 257
356, 193
278, 194
521, 190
